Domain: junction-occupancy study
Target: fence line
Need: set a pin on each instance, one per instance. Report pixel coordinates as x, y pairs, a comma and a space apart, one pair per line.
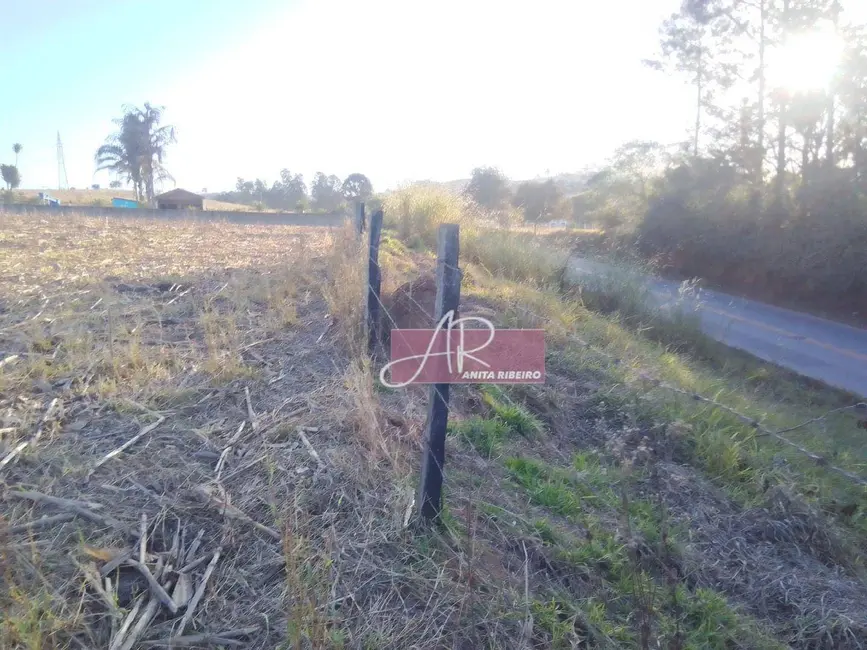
433, 474
359, 218
449, 276
448, 281
374, 277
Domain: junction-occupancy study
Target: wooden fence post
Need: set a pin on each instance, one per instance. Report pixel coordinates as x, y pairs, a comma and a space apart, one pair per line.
374, 282
359, 218
448, 297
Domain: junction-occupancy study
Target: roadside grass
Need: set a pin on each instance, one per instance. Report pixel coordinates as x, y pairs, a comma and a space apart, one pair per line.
633, 355
604, 338
415, 213
624, 554
634, 341
507, 420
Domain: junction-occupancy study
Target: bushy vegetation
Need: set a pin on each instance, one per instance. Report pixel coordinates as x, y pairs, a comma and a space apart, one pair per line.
11, 176
416, 212
812, 250
533, 202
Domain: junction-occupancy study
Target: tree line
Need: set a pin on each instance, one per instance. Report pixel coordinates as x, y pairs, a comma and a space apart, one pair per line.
327, 193
532, 201
135, 154
769, 193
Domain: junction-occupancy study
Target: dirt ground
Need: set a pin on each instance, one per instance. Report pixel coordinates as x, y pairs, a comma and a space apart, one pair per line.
200, 350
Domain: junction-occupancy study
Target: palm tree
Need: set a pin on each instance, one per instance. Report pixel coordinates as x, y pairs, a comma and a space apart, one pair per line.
136, 151
157, 139
121, 156
17, 149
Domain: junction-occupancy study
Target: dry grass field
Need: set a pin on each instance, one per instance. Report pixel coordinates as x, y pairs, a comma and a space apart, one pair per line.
194, 452
203, 337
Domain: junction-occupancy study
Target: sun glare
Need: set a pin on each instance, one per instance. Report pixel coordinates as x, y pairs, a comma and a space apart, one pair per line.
806, 61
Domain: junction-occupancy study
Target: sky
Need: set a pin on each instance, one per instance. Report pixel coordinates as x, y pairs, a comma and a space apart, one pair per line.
398, 90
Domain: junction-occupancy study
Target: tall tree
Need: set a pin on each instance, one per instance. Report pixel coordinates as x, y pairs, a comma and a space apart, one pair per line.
121, 161
259, 190
293, 189
326, 192
805, 116
137, 150
747, 23
357, 187
781, 95
10, 176
761, 77
17, 147
488, 187
852, 94
694, 43
157, 139
638, 162
834, 15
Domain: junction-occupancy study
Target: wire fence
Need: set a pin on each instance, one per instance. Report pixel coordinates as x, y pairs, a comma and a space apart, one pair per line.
646, 376
643, 376
447, 301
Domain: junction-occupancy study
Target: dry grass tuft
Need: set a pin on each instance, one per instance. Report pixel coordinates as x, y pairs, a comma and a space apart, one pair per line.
345, 286
365, 412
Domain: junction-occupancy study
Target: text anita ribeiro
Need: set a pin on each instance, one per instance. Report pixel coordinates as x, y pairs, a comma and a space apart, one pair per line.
490, 375
463, 353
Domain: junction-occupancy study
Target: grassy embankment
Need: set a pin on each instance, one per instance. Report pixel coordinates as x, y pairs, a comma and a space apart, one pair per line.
610, 351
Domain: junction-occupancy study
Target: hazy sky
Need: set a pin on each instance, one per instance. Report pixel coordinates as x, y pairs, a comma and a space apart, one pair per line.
396, 89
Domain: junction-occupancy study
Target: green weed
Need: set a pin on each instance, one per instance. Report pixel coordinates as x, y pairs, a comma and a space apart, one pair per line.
485, 436
557, 618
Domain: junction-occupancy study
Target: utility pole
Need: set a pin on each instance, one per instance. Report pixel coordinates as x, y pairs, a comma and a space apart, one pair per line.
62, 180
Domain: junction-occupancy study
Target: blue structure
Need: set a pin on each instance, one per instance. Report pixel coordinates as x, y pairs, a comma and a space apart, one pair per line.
123, 203
45, 199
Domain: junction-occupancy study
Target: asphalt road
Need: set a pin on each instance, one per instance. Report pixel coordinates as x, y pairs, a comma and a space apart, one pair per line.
813, 347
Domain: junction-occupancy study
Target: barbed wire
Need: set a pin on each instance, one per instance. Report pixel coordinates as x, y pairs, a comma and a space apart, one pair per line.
435, 387
752, 422
646, 376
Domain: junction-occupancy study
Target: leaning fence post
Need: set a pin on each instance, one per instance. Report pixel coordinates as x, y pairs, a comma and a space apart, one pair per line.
448, 297
374, 281
359, 218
